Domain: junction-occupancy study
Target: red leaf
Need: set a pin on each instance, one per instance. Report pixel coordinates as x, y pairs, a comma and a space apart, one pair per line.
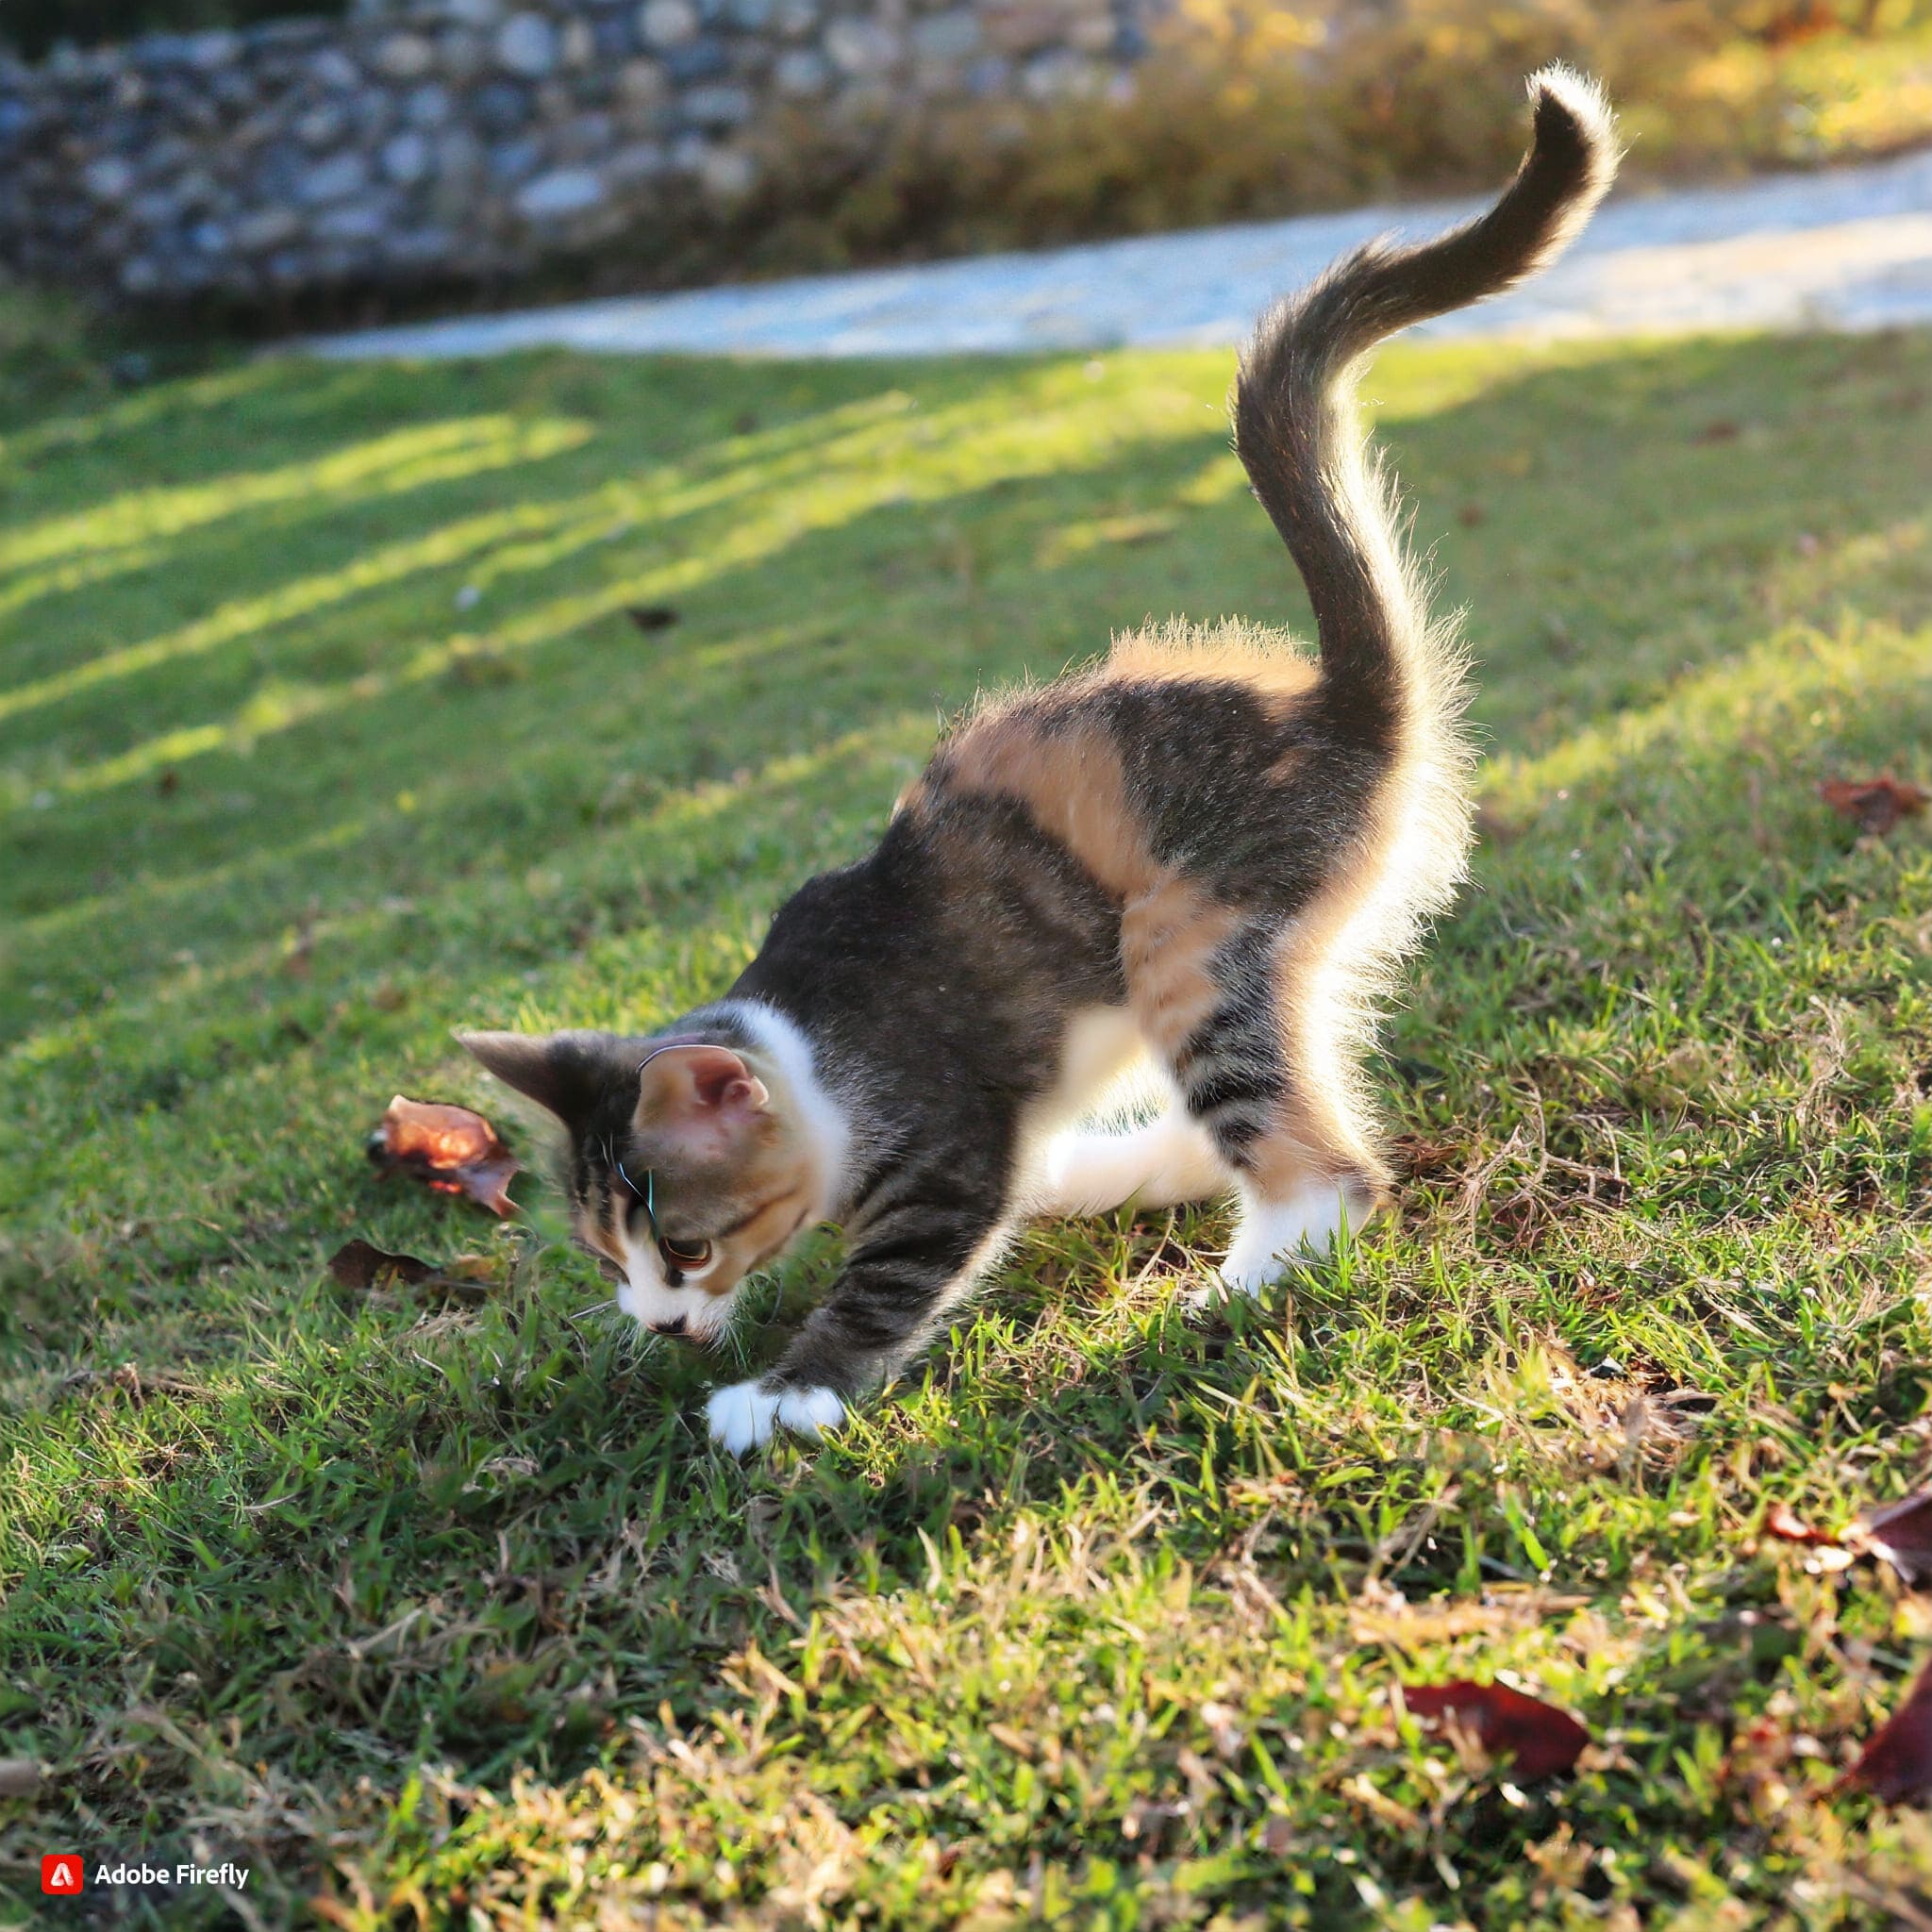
1902, 1534
454, 1150
1543, 1741
1781, 1522
363, 1264
1874, 805
1897, 1763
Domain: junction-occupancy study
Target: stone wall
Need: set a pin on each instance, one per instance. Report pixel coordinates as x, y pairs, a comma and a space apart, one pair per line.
468, 139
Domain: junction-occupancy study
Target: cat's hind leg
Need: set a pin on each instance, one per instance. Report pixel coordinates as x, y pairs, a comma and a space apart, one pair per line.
1266, 1071
1161, 1163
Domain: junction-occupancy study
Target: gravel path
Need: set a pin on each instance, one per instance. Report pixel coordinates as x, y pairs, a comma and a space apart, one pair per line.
1845, 250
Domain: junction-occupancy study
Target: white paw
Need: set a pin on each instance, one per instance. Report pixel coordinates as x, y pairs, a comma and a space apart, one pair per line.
1274, 1237
810, 1411
744, 1415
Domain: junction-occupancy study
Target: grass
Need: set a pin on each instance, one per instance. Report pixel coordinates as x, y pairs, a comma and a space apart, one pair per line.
323, 729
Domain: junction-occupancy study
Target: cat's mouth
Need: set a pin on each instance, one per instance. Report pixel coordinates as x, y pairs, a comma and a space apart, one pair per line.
683, 1314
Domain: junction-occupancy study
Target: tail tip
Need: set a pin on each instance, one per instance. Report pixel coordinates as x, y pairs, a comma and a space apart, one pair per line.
1574, 112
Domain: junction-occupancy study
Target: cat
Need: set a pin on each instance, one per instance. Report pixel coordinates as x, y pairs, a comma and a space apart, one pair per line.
1199, 859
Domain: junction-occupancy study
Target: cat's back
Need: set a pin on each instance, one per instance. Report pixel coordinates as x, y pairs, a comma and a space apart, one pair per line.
1129, 761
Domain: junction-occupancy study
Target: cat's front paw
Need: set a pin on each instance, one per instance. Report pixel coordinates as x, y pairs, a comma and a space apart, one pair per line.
744, 1415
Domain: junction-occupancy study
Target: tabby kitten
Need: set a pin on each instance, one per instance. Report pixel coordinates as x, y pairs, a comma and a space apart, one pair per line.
1197, 860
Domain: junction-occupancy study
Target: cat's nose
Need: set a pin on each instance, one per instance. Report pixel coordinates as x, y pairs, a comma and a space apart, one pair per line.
673, 1327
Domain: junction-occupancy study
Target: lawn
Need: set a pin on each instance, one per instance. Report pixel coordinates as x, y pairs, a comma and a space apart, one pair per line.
323, 729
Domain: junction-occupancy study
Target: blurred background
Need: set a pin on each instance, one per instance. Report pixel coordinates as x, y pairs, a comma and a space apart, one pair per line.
299, 163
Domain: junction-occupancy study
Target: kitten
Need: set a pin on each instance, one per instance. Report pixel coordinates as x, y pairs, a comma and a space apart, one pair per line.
1200, 858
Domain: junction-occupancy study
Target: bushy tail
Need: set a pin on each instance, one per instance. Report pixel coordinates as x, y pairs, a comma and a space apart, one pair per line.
1296, 422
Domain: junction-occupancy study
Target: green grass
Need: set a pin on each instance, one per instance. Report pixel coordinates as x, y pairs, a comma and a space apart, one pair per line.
322, 730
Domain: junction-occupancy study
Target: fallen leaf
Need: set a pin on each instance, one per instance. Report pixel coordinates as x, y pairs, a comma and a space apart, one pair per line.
1420, 1156
1783, 1523
652, 616
20, 1777
1722, 431
361, 1264
454, 1150
1896, 1764
1902, 1535
1874, 805
1541, 1740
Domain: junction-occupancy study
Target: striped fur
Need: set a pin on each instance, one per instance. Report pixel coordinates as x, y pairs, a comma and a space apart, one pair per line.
1196, 865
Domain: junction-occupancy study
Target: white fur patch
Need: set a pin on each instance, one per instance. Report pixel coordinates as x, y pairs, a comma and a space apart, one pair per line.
744, 1415
651, 1302
827, 1132
1271, 1237
1162, 1163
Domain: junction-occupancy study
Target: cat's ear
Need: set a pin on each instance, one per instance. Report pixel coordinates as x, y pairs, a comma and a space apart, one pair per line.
704, 1097
551, 1068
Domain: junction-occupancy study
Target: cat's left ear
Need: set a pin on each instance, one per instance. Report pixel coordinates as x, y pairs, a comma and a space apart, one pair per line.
558, 1071
703, 1096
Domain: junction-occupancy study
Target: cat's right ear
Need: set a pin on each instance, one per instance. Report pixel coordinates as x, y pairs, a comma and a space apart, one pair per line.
547, 1066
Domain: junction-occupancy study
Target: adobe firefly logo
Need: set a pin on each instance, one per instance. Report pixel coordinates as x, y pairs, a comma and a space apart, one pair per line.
61, 1873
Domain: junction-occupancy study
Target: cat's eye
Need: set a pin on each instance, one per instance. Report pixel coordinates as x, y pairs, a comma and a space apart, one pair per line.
684, 1254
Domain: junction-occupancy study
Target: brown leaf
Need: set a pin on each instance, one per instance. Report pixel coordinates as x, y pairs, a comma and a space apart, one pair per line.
454, 1150
1782, 1522
1543, 1740
1722, 431
1420, 1156
1902, 1534
1896, 1764
361, 1264
1874, 805
652, 616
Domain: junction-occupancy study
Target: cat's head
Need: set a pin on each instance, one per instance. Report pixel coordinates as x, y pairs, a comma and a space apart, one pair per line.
685, 1170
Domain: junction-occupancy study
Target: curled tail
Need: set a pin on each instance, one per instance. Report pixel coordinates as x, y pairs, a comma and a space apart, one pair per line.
1297, 433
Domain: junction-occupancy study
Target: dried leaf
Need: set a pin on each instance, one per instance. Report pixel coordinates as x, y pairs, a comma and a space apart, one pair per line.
361, 1264
1874, 805
1902, 1534
1896, 1764
454, 1150
1783, 1523
1543, 1740
1420, 1156
652, 616
1722, 431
